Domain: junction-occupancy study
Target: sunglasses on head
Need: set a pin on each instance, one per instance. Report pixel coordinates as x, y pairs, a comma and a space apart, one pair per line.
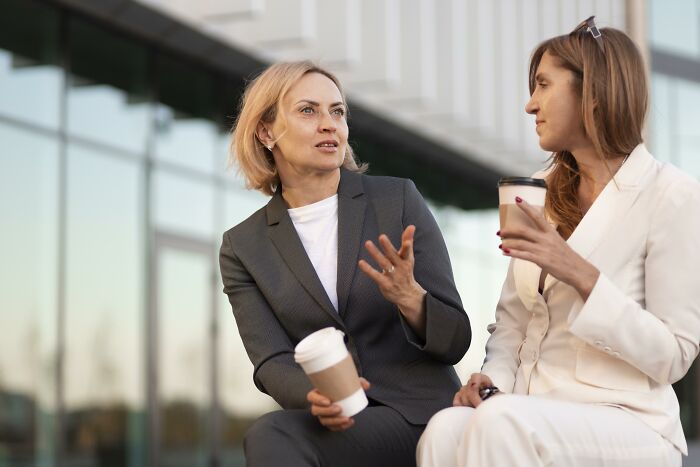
588, 25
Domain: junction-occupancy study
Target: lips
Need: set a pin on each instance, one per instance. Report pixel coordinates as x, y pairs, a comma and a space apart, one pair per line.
327, 144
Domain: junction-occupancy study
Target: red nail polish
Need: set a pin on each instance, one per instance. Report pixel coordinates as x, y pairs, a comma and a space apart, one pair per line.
498, 233
500, 246
506, 250
518, 199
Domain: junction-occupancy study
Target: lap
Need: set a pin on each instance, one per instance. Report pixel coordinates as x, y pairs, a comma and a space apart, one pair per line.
379, 435
566, 431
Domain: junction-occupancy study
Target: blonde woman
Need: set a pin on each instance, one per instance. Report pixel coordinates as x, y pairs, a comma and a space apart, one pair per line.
600, 310
308, 260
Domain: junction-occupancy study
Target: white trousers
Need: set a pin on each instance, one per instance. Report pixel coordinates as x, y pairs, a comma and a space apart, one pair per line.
511, 430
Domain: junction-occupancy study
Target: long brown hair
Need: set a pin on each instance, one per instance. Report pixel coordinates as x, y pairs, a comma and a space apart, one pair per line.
612, 84
260, 102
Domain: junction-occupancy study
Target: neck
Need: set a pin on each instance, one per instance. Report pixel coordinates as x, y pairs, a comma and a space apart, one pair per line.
592, 167
310, 189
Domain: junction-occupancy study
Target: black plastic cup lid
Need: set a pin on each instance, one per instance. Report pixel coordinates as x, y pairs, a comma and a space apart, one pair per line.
537, 182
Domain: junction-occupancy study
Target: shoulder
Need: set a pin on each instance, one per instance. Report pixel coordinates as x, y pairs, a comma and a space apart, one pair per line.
674, 188
391, 190
383, 184
247, 229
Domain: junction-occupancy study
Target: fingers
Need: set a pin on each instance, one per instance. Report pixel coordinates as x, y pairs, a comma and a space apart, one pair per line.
316, 398
533, 214
406, 251
524, 255
516, 244
391, 254
473, 396
328, 414
375, 275
364, 383
321, 406
377, 255
485, 380
461, 399
523, 232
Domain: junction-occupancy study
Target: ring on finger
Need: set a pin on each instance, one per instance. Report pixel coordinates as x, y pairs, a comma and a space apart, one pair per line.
389, 271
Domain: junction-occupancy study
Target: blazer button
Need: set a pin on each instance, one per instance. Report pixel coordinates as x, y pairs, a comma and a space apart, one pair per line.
607, 349
599, 343
616, 354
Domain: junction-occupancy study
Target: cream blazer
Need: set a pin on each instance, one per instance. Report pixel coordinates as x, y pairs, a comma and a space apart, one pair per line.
639, 330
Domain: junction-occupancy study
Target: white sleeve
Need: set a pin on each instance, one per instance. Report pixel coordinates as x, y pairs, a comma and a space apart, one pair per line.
662, 337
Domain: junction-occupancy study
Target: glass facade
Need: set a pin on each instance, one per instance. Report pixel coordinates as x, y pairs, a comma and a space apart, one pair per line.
118, 347
674, 133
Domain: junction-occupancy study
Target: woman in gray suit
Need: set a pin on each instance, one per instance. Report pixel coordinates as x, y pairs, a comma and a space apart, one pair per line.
307, 260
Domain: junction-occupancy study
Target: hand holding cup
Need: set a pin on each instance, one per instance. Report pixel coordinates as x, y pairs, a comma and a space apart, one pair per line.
329, 414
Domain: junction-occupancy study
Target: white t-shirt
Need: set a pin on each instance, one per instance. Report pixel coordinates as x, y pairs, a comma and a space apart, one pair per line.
317, 226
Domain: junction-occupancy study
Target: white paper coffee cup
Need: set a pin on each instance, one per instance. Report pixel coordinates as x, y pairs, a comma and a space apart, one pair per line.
328, 364
532, 190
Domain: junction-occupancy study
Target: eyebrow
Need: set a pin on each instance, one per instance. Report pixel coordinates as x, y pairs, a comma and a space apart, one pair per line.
540, 76
314, 103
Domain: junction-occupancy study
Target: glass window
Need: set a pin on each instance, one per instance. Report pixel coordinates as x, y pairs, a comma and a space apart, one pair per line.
688, 131
184, 206
107, 99
30, 80
104, 359
187, 132
479, 271
240, 401
184, 297
674, 26
662, 114
28, 274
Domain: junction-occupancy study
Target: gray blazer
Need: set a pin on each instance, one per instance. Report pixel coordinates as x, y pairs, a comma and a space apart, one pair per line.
278, 299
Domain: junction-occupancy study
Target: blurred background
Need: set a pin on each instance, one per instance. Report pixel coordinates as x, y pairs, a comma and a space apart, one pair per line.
117, 346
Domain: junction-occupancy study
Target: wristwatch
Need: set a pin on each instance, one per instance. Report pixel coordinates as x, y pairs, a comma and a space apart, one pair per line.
487, 392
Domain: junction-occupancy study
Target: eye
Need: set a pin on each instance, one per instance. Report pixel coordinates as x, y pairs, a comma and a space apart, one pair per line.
307, 110
542, 84
339, 111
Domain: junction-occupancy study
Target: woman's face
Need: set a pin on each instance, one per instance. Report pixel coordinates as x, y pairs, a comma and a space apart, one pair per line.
313, 135
557, 107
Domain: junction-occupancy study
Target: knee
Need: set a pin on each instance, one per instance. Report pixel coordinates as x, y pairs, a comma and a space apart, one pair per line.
497, 416
273, 429
447, 423
441, 436
280, 438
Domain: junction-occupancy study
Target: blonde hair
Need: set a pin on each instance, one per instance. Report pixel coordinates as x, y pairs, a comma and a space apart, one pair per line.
613, 89
260, 102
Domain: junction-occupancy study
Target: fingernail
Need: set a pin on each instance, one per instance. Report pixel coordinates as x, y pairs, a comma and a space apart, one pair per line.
518, 199
506, 250
500, 246
498, 233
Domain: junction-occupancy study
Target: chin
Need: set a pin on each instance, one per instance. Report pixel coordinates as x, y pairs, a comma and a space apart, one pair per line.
550, 146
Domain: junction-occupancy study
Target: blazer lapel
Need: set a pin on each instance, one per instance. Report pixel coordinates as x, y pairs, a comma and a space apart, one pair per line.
351, 216
611, 206
285, 238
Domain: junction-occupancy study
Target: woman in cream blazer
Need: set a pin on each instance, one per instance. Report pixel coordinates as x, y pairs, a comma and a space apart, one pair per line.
600, 310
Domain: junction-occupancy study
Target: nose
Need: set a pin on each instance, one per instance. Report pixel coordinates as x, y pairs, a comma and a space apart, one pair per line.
327, 124
532, 107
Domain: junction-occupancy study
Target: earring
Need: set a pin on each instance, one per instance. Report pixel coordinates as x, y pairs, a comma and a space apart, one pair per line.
269, 147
